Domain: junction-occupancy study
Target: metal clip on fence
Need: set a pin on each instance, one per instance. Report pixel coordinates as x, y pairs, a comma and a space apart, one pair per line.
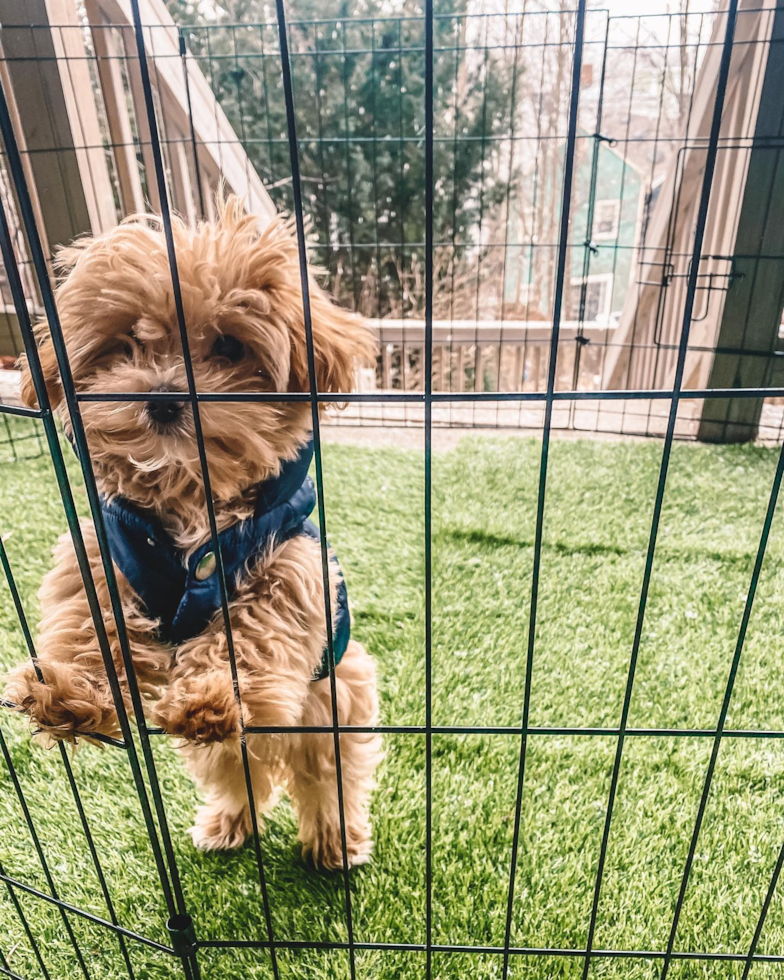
183, 935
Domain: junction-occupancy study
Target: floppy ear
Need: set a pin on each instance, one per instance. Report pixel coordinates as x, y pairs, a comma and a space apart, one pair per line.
65, 259
341, 341
50, 373
268, 261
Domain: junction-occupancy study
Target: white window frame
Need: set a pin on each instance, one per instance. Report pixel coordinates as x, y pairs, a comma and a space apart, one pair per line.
608, 202
603, 316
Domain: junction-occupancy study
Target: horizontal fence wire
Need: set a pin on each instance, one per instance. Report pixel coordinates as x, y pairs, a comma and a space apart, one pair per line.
533, 730
303, 154
655, 394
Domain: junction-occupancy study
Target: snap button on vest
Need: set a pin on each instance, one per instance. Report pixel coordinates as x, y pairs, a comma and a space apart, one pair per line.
207, 565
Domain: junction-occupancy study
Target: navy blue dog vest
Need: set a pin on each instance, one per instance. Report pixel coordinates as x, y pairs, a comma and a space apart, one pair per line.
184, 594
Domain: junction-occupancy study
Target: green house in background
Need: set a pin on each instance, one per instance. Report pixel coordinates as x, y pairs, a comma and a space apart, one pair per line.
534, 228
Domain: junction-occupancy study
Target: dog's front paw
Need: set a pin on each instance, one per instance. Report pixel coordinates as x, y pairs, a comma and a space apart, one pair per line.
216, 828
325, 848
200, 709
64, 704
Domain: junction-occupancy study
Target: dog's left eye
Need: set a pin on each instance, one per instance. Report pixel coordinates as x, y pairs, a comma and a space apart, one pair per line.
130, 346
228, 347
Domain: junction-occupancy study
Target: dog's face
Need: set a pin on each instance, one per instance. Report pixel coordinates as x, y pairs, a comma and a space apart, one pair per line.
243, 311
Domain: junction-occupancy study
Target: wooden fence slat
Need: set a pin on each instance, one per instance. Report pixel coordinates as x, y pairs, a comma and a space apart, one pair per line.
108, 63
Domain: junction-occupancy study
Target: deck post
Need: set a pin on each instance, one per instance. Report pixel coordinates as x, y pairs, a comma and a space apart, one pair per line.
47, 67
752, 311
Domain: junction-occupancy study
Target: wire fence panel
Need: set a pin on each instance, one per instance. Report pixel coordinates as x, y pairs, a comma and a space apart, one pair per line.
552, 220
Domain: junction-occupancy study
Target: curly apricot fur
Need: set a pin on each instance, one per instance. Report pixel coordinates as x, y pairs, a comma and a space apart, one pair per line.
119, 320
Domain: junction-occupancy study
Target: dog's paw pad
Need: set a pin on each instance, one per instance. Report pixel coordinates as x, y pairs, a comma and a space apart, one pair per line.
216, 829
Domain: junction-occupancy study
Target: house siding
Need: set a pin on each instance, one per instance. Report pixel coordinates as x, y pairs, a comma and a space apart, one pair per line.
530, 268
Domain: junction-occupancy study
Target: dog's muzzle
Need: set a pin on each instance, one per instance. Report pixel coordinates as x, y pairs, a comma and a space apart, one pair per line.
164, 411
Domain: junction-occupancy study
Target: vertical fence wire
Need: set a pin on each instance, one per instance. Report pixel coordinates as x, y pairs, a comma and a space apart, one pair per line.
428, 480
183, 49
355, 288
519, 35
627, 131
771, 891
291, 123
5, 969
403, 214
659, 117
751, 593
529, 246
457, 30
166, 221
747, 610
699, 234
480, 244
165, 861
374, 137
563, 258
589, 247
317, 69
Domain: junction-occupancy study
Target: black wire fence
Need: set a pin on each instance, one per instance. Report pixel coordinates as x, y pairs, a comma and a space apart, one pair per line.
502, 100
460, 179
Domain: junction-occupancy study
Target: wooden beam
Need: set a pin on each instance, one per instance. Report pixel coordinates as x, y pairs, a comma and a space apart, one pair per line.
752, 311
214, 133
109, 56
140, 114
49, 77
73, 62
7, 190
183, 185
645, 346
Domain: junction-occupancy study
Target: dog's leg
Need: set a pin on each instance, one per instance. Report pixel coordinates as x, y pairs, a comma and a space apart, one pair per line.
277, 625
278, 633
224, 821
69, 694
200, 707
311, 760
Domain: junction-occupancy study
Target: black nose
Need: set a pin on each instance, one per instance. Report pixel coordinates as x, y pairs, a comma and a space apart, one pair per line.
164, 411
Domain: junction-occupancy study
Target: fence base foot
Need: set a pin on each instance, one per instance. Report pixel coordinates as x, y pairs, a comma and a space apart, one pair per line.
183, 936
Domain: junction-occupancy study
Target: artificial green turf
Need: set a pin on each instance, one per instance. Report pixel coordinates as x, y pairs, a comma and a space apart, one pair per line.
599, 502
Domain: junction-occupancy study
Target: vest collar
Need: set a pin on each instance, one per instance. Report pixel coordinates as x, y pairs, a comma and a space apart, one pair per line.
184, 591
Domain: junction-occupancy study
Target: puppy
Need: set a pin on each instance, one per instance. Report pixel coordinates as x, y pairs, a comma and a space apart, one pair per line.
244, 316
